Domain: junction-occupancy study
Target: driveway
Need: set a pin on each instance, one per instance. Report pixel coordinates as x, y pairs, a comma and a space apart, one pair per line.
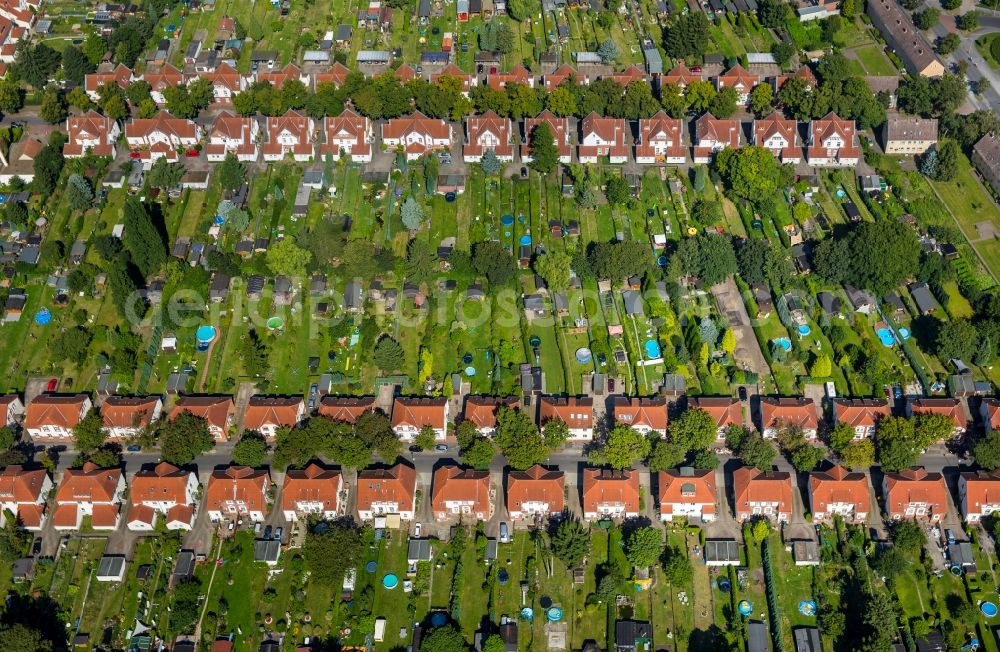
730, 303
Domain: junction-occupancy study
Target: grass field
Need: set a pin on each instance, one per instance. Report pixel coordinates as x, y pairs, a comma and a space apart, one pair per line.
985, 46
969, 204
874, 61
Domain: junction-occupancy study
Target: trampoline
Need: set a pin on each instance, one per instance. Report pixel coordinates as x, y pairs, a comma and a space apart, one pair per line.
885, 336
804, 329
507, 220
554, 614
470, 371
274, 323
807, 607
989, 609
652, 349
219, 220
545, 601
390, 581
583, 355
503, 577
43, 317
725, 586
783, 342
524, 240
745, 607
661, 261
955, 570
534, 341
449, 197
439, 619
371, 567
467, 358
528, 614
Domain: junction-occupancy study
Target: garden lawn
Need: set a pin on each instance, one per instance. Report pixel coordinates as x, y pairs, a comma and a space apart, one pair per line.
969, 203
874, 61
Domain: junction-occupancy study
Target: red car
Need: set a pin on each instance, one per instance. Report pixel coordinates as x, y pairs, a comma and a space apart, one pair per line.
53, 384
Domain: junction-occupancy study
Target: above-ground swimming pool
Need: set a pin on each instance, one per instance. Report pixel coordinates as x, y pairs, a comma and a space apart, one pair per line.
989, 609
274, 323
783, 342
885, 336
652, 349
524, 240
904, 333
804, 329
583, 355
390, 581
744, 607
507, 220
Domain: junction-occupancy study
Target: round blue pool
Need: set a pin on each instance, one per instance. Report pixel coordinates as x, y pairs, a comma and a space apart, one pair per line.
524, 240
744, 607
507, 220
989, 609
371, 567
390, 581
885, 336
783, 342
439, 619
652, 349
583, 355
804, 329
554, 614
904, 333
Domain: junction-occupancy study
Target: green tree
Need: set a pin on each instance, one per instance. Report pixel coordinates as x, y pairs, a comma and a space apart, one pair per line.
493, 260
752, 172
708, 256
490, 163
184, 438
250, 450
643, 547
544, 152
968, 21
519, 439
554, 267
608, 51
286, 258
11, 96
328, 554
987, 451
23, 638
774, 13
859, 454
725, 102
908, 537
561, 101
79, 193
927, 18
695, 429
88, 434
142, 240
53, 108
7, 438
677, 567
623, 447
444, 639
94, 48
806, 458
617, 191
47, 167
494, 644
896, 443
570, 542
890, 563
756, 451
687, 36
388, 355
412, 214
426, 438
231, 173
761, 100
666, 455
822, 366
555, 432
478, 454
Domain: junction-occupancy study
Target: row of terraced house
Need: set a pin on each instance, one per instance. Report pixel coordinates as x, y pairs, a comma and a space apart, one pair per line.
164, 491
51, 418
660, 139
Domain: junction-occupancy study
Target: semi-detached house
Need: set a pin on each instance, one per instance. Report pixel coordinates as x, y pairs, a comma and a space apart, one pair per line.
661, 140
601, 137
535, 493
162, 490
232, 134
238, 492
487, 132
345, 408
482, 411
610, 494
349, 134
783, 412
160, 137
979, 494
89, 491
218, 411
292, 133
577, 412
839, 492
725, 410
762, 493
124, 417
416, 135
314, 490
779, 136
687, 493
268, 414
51, 418
387, 492
91, 133
646, 415
560, 133
23, 493
915, 494
461, 492
833, 142
861, 414
712, 135
411, 414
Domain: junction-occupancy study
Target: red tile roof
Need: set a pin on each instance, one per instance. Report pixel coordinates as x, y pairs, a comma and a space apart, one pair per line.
777, 127
751, 485
949, 407
992, 413
20, 485
225, 76
860, 412
914, 485
517, 75
272, 410
216, 410
451, 70
346, 408
121, 76
609, 130
293, 123
981, 488
162, 123
104, 516
395, 485
838, 485
561, 74
415, 122
627, 76
488, 131
128, 411
788, 411
574, 411
52, 410
239, 484
453, 483
635, 411
313, 484
537, 484
89, 127
603, 486
419, 412
680, 76
346, 127
337, 74
482, 410
277, 78
739, 78
90, 484
166, 76
724, 409
691, 486
661, 128
560, 132
163, 483
831, 126
710, 128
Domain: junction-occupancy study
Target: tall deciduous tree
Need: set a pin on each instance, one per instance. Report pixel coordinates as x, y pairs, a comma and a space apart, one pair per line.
184, 438
142, 240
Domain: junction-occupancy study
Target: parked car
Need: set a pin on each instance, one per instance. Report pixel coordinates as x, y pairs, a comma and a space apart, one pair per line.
897, 392
313, 394
441, 448
416, 530
53, 384
742, 392
415, 449
256, 528
950, 537
267, 532
36, 547
504, 533
134, 448
277, 534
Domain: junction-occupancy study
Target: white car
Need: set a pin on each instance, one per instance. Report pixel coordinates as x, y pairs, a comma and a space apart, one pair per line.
416, 530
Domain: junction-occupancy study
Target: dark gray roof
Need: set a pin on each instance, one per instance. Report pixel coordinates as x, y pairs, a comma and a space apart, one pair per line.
722, 551
266, 550
757, 637
807, 639
418, 550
